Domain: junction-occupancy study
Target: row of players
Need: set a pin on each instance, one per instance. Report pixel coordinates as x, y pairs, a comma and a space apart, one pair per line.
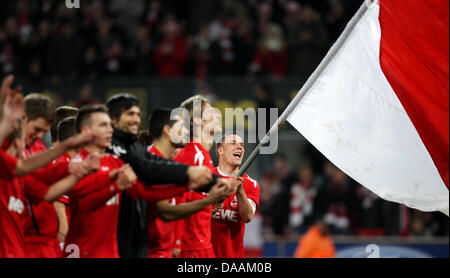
104, 193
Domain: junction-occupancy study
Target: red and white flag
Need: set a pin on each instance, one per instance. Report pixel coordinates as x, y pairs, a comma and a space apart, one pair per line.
378, 106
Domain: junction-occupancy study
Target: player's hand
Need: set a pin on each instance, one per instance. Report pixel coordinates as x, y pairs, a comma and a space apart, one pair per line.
236, 183
198, 177
80, 140
114, 174
13, 107
176, 252
126, 178
233, 184
93, 162
216, 207
78, 167
221, 190
5, 89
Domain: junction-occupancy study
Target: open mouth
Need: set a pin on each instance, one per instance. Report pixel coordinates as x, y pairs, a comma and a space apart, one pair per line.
238, 155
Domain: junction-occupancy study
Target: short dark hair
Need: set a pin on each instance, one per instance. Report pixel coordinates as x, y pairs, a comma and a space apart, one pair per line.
39, 106
85, 112
157, 120
61, 113
119, 103
67, 128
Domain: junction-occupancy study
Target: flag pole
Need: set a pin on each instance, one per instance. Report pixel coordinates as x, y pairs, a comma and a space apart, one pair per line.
307, 86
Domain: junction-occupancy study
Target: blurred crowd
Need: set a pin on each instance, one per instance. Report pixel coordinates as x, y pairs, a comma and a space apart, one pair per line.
295, 198
45, 40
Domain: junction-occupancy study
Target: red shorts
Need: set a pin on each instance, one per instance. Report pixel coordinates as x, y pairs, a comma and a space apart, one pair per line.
204, 253
42, 247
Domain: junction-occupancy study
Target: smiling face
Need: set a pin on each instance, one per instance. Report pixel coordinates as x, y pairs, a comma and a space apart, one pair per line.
100, 122
35, 130
129, 121
232, 150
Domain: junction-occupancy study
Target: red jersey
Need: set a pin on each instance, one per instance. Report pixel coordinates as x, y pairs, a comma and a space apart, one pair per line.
160, 233
59, 162
94, 211
196, 229
227, 227
41, 227
37, 147
13, 191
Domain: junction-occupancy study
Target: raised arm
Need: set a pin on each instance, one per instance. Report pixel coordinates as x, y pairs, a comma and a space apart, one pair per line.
33, 163
170, 213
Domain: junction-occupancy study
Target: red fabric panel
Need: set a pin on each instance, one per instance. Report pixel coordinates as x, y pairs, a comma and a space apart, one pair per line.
414, 57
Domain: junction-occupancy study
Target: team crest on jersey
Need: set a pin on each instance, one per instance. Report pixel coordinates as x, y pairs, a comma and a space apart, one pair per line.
234, 203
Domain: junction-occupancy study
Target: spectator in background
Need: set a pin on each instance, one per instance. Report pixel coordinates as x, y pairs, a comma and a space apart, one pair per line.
171, 52
335, 20
201, 53
91, 64
140, 53
222, 47
337, 201
270, 58
303, 194
307, 41
284, 179
316, 243
244, 43
370, 220
114, 59
127, 14
153, 15
65, 53
266, 202
264, 12
86, 96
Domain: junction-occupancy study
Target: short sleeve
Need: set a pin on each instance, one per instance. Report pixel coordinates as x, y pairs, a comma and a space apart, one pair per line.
252, 190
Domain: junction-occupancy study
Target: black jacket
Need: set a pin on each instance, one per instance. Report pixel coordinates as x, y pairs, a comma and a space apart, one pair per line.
132, 229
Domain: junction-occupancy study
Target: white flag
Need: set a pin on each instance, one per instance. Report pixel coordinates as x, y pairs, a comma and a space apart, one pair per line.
379, 106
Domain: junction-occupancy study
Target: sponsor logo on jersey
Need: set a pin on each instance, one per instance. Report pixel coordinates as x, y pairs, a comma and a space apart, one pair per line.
15, 205
226, 214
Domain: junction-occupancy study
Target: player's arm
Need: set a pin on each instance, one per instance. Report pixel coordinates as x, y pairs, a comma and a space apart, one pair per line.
170, 213
153, 170
80, 169
246, 206
34, 188
33, 163
11, 107
52, 172
63, 224
155, 193
124, 178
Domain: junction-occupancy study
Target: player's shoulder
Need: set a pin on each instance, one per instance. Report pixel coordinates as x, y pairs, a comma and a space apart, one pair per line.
250, 181
183, 155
